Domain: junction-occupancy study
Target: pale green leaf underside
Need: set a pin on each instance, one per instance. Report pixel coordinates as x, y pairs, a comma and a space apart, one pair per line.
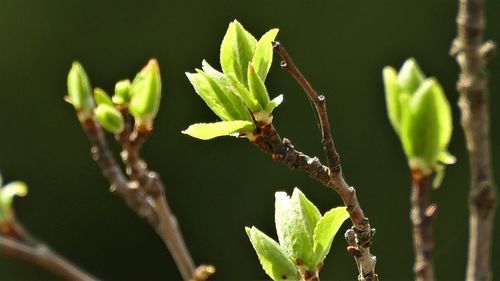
291, 227
325, 231
206, 131
272, 258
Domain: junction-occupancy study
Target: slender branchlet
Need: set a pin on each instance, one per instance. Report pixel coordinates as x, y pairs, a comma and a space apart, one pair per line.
142, 190
282, 150
472, 54
422, 216
17, 243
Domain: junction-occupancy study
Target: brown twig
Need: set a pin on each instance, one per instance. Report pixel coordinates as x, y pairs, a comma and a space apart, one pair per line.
472, 55
422, 216
143, 192
15, 242
282, 150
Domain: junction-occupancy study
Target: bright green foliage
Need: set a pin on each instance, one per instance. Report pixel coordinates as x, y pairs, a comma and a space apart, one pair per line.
7, 193
272, 258
145, 93
110, 118
292, 227
101, 97
325, 231
420, 114
122, 92
80, 91
304, 236
206, 131
238, 92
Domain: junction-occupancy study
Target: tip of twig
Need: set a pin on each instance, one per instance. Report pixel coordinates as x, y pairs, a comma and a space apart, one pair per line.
203, 272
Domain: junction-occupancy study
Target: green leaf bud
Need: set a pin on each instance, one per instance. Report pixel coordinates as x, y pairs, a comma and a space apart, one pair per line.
410, 76
145, 93
80, 91
110, 118
101, 97
426, 125
122, 92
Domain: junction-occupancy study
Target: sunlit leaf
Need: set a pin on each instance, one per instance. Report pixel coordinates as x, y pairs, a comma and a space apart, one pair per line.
206, 131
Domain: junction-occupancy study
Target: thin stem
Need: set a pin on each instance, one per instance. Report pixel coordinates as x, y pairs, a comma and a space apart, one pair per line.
319, 102
360, 235
26, 248
422, 215
143, 193
472, 55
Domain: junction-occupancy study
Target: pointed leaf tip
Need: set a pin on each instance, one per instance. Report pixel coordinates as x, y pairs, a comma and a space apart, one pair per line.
207, 131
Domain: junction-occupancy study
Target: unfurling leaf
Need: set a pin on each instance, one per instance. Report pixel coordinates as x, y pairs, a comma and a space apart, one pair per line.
410, 76
145, 93
292, 229
263, 56
7, 193
325, 231
427, 130
80, 91
236, 51
110, 118
206, 131
392, 97
257, 88
272, 258
101, 97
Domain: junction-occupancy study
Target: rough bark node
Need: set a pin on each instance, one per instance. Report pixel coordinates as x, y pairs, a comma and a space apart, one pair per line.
472, 55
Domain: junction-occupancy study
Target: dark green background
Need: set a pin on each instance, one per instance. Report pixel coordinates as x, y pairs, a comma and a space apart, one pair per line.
218, 187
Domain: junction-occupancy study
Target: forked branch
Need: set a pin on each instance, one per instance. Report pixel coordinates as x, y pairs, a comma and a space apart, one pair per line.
360, 235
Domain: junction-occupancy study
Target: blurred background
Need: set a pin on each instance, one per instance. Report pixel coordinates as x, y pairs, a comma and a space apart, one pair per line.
218, 187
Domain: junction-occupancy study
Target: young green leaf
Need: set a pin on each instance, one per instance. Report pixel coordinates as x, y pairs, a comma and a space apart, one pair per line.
410, 76
7, 193
250, 101
263, 56
122, 92
392, 97
206, 131
110, 118
325, 231
237, 50
257, 88
146, 93
272, 258
311, 212
101, 97
292, 229
228, 97
79, 90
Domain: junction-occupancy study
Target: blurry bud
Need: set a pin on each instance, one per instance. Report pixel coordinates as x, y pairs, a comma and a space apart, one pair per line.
101, 97
7, 193
145, 93
122, 92
110, 118
410, 76
80, 91
426, 126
